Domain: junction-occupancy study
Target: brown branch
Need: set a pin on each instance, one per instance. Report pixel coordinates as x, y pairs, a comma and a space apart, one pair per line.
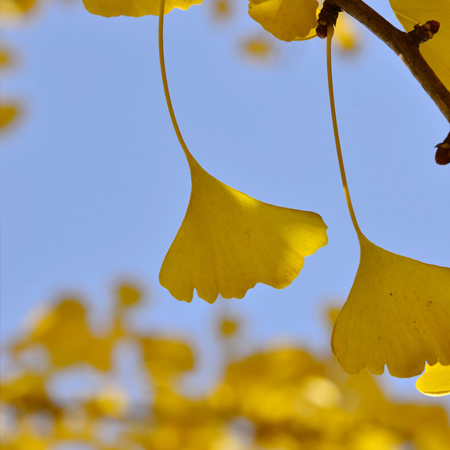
404, 45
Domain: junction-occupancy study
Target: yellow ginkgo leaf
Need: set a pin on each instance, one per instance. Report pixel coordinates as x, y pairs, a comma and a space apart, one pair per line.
397, 314
134, 8
435, 381
437, 50
229, 241
287, 20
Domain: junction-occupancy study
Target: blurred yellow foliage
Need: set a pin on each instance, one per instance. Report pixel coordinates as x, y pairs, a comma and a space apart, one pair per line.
9, 113
282, 398
259, 48
221, 9
228, 326
346, 35
13, 10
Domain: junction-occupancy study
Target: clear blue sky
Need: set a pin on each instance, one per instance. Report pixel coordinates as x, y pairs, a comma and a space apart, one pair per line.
93, 185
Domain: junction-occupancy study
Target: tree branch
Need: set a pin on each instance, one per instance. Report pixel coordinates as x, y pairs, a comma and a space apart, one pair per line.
404, 46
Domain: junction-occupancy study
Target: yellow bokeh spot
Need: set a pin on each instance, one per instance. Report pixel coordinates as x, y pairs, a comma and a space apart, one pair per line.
229, 241
397, 314
228, 326
129, 295
258, 48
346, 35
221, 9
134, 8
287, 20
436, 51
9, 113
435, 381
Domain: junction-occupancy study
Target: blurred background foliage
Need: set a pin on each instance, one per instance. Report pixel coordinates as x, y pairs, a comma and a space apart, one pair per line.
75, 385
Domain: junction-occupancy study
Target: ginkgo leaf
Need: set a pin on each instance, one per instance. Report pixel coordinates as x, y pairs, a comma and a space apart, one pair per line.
397, 314
287, 20
435, 381
436, 51
229, 241
134, 8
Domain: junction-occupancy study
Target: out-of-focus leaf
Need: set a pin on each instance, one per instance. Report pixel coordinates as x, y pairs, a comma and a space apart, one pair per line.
258, 48
63, 331
221, 9
128, 295
228, 326
9, 113
346, 35
166, 358
13, 10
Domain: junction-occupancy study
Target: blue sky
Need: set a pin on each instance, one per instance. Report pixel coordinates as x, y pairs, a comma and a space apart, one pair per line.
93, 184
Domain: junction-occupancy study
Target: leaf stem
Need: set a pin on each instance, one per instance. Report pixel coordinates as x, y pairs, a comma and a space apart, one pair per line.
404, 46
330, 31
162, 64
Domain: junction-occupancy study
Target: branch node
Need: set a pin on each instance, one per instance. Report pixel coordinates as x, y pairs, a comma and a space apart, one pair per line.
327, 16
443, 152
422, 33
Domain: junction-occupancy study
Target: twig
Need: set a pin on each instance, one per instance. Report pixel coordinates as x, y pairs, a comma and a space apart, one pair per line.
404, 45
